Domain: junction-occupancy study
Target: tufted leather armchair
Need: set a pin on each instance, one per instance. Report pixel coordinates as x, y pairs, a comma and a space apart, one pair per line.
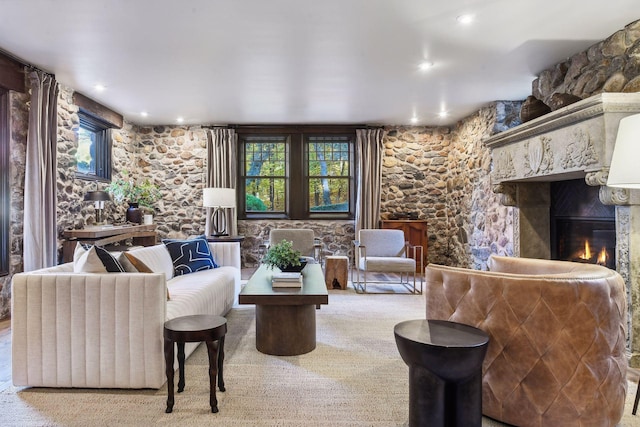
557, 330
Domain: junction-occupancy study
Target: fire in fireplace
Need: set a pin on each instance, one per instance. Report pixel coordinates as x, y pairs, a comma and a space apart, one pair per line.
582, 228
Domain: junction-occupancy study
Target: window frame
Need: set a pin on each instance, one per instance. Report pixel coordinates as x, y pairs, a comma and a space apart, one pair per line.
102, 130
5, 176
297, 177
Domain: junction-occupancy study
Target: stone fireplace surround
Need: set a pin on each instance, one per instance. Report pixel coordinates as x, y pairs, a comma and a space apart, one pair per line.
573, 142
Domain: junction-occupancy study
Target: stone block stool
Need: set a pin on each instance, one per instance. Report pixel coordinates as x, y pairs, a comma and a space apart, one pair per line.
445, 372
336, 271
202, 327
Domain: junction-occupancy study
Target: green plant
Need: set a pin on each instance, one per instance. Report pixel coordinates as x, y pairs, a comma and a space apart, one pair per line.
282, 255
145, 194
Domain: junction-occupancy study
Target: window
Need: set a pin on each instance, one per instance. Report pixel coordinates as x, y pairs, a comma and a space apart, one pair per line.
93, 155
296, 172
4, 182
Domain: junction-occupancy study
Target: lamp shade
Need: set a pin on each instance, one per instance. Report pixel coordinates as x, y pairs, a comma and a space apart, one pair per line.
624, 170
96, 196
215, 197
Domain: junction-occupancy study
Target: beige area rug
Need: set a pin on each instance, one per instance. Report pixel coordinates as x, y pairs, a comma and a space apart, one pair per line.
354, 377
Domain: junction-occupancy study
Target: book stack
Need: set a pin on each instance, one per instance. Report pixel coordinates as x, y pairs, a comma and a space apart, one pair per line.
286, 280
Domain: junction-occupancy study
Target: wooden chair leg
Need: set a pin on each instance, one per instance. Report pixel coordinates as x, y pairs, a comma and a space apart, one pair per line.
635, 404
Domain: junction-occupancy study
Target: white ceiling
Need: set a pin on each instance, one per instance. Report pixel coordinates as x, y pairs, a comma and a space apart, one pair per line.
302, 61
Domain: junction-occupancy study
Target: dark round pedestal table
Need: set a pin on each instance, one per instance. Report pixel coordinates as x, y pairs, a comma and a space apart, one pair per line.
201, 327
445, 372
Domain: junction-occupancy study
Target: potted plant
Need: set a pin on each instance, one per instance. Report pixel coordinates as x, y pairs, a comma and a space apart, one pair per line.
142, 195
283, 256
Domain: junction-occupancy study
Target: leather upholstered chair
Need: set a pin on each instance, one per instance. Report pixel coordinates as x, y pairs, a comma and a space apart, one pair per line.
557, 330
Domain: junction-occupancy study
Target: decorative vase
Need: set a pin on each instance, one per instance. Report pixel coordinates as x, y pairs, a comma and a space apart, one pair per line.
134, 213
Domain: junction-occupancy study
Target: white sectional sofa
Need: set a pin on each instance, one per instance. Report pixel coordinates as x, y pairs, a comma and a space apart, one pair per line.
104, 330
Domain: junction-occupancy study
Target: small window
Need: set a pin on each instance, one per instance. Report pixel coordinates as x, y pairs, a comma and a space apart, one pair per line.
329, 173
93, 154
296, 172
265, 174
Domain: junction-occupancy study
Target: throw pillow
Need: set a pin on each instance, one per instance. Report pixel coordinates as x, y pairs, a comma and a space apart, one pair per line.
94, 259
87, 260
189, 256
140, 266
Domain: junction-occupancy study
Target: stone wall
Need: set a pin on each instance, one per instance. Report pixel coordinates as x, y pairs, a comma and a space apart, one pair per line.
480, 225
612, 65
174, 158
414, 174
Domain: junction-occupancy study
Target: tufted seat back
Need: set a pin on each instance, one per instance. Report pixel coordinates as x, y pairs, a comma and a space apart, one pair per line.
557, 330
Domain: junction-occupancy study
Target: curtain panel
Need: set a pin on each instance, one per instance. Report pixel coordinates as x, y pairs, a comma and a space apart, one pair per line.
40, 195
369, 153
222, 152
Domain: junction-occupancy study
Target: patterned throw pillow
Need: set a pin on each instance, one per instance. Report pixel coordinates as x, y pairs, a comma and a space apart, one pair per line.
189, 256
94, 259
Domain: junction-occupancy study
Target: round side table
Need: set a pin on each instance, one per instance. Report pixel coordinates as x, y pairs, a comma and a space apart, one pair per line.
445, 372
202, 327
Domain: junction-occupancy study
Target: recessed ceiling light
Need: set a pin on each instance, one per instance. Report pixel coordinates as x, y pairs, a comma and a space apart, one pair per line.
425, 65
144, 114
442, 114
180, 119
465, 19
414, 120
99, 87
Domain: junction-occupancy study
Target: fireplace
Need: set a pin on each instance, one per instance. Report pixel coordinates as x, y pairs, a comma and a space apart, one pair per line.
583, 229
573, 143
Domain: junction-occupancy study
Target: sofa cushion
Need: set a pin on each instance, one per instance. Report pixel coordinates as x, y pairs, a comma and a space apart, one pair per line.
189, 256
156, 258
95, 259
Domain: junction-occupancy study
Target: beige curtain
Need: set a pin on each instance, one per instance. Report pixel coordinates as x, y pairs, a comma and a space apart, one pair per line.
222, 166
40, 196
369, 152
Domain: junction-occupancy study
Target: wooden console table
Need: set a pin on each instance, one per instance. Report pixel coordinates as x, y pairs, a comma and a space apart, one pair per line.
141, 235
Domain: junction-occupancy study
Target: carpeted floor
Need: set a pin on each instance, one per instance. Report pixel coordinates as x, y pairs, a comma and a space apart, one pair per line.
354, 377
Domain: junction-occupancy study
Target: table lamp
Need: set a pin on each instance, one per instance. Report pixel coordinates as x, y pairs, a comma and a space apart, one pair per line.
98, 197
219, 198
624, 171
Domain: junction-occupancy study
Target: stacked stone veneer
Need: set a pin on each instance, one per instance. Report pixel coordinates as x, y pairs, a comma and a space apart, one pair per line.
612, 65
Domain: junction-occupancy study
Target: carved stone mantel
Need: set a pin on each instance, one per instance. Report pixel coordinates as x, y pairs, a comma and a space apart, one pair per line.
565, 144
573, 142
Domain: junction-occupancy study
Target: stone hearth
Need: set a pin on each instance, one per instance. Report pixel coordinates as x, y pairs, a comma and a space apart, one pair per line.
573, 142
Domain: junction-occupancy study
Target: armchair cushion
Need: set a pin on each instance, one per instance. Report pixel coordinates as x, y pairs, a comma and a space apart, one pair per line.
382, 264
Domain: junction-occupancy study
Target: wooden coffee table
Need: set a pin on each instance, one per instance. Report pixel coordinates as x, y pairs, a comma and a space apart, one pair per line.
285, 317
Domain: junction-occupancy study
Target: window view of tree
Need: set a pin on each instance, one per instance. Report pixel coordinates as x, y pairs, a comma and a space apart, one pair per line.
93, 154
328, 173
296, 172
265, 174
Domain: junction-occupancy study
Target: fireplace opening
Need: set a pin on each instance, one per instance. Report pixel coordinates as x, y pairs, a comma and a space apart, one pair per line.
582, 228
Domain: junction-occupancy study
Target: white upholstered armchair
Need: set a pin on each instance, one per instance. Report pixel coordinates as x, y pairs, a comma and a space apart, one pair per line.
386, 251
